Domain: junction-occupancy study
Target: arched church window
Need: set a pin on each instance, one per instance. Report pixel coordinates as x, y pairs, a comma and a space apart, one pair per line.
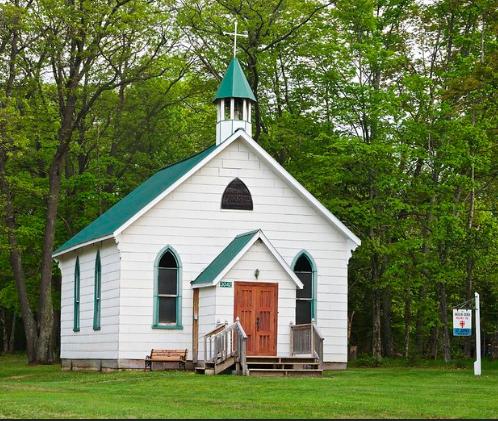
76, 323
167, 290
305, 298
237, 196
97, 302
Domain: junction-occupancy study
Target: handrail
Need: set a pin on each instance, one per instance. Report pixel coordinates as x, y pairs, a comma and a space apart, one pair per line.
217, 329
241, 345
224, 342
317, 341
307, 339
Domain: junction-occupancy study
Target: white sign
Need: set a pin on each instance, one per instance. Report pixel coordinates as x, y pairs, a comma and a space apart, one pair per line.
462, 322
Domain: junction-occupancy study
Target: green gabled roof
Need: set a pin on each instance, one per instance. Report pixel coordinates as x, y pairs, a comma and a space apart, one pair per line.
106, 224
223, 259
234, 84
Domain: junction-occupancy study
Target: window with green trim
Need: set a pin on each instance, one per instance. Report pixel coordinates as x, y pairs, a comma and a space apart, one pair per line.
305, 298
76, 325
167, 305
97, 304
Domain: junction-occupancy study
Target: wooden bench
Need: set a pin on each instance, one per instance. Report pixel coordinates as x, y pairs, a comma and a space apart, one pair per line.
166, 355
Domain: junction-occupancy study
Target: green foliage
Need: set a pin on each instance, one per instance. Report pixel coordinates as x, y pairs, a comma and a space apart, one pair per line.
385, 111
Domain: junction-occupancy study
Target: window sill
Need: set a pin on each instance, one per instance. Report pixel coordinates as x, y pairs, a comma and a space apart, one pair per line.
170, 327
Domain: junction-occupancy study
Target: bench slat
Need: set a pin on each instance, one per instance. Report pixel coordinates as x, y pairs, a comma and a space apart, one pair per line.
166, 355
166, 358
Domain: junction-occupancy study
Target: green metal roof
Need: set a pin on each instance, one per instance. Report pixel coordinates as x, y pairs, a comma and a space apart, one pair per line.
234, 84
221, 261
106, 224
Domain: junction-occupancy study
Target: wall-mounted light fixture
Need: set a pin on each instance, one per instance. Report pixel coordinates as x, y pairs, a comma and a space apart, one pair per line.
256, 273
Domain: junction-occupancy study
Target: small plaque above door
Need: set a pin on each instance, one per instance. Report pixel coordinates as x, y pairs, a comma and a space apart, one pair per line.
225, 284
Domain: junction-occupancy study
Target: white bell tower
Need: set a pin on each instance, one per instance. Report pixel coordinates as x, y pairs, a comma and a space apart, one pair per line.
233, 100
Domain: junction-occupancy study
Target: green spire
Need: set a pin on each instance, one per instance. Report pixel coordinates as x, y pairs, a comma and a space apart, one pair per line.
234, 84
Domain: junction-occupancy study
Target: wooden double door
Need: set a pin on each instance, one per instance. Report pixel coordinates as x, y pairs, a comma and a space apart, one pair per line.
256, 306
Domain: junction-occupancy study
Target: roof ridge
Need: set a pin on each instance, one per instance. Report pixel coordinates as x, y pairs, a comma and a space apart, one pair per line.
248, 233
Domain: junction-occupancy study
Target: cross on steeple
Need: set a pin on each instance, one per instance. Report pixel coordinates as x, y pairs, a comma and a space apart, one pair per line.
235, 35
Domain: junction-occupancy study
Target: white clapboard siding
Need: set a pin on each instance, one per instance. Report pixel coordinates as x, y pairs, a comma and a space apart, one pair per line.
89, 343
190, 220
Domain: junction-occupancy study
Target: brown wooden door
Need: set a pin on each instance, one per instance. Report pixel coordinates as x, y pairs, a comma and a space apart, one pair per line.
256, 307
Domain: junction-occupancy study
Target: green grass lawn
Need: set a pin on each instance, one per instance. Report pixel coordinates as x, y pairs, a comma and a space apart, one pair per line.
383, 392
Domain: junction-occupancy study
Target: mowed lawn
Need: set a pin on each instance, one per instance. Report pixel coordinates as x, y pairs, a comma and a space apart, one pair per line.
397, 392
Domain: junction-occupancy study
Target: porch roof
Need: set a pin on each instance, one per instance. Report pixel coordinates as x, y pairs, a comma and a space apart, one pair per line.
232, 253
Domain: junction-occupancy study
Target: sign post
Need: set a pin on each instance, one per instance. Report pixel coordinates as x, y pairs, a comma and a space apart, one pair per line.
477, 363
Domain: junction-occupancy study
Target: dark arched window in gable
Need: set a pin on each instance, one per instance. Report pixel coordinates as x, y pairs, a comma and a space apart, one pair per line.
168, 290
305, 298
237, 196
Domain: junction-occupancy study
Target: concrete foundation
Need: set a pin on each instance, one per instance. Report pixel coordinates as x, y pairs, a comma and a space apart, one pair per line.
117, 365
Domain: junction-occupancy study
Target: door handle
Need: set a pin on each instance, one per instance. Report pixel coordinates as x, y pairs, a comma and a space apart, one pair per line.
257, 324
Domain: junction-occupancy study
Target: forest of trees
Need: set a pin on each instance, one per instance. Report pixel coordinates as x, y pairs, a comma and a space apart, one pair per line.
385, 110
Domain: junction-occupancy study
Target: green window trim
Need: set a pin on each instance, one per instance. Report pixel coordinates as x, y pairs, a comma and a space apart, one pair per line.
97, 303
167, 327
313, 280
178, 296
77, 286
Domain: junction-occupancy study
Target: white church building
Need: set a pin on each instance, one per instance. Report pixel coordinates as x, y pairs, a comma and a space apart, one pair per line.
220, 250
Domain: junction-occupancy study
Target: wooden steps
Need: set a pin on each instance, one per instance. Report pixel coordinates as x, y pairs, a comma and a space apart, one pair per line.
284, 367
268, 366
210, 368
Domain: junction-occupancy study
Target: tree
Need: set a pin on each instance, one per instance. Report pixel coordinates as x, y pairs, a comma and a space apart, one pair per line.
83, 48
272, 29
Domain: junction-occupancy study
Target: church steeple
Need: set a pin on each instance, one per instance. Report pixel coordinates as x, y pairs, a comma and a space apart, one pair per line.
233, 100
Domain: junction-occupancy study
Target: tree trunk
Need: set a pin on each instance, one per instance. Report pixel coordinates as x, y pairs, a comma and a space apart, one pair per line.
3, 322
493, 346
12, 340
352, 350
254, 85
470, 269
433, 343
444, 320
55, 344
420, 324
16, 262
387, 336
408, 321
350, 325
44, 353
376, 330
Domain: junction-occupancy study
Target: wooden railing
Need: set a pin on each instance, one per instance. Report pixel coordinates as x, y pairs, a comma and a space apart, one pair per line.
306, 339
227, 341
